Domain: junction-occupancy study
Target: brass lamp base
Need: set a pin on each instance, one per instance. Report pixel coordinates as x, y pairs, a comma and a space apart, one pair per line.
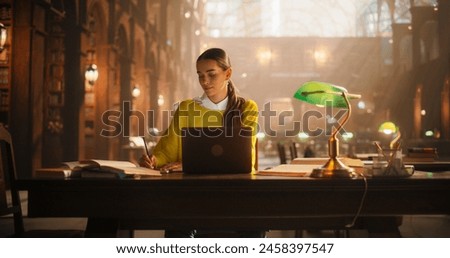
334, 168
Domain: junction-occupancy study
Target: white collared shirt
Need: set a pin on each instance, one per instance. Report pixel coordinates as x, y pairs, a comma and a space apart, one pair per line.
205, 102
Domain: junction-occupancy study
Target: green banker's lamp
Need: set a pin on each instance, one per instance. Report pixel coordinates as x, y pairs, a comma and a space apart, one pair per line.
389, 128
326, 94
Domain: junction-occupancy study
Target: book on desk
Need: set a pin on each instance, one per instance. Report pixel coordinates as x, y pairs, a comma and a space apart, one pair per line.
288, 170
96, 168
301, 167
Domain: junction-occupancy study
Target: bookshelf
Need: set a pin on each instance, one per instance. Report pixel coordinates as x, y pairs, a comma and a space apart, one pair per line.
55, 77
5, 63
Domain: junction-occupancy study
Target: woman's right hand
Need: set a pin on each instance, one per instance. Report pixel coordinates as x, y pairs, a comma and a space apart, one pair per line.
148, 162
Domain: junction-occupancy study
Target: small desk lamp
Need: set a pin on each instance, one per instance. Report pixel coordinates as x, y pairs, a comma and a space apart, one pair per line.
390, 128
326, 94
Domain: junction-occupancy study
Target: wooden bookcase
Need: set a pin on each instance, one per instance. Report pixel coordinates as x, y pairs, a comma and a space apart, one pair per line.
55, 77
5, 63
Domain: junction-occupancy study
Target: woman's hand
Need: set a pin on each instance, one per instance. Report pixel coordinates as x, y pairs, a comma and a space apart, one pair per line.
173, 166
148, 162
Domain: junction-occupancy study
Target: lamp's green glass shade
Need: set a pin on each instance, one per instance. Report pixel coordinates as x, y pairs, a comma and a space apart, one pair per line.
388, 128
323, 94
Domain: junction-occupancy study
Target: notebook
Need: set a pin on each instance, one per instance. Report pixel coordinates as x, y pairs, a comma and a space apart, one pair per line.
215, 150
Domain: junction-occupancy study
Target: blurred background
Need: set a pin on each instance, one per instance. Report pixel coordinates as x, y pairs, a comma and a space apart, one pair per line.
87, 78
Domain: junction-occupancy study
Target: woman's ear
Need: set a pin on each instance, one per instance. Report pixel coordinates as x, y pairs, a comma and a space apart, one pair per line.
229, 72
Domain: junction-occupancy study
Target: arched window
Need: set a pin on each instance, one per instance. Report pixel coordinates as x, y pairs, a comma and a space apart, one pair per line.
401, 12
293, 18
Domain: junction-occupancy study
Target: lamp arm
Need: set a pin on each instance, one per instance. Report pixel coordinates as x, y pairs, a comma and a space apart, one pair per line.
333, 146
348, 95
393, 143
347, 116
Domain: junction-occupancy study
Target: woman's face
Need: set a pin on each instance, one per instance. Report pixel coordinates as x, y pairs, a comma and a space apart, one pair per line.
213, 79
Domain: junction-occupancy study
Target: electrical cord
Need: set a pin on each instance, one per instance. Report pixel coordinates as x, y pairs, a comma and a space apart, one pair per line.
366, 186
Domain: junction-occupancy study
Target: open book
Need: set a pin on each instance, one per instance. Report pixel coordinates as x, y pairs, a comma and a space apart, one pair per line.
356, 164
288, 170
98, 168
321, 161
304, 166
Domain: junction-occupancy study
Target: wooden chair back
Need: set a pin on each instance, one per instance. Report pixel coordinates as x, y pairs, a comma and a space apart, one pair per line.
7, 181
8, 178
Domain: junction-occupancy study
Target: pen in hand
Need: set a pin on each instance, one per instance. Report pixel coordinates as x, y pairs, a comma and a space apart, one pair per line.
149, 157
145, 145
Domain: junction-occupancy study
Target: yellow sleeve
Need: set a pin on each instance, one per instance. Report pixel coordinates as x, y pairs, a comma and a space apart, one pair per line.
250, 118
168, 148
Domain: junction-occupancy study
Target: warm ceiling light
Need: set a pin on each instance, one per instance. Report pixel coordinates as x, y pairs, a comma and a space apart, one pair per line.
91, 74
3, 35
160, 100
136, 91
264, 55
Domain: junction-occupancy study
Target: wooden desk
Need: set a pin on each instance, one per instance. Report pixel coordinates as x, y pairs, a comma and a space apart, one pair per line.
235, 201
430, 165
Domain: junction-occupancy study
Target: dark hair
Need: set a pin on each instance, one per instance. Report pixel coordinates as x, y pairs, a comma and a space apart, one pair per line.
235, 102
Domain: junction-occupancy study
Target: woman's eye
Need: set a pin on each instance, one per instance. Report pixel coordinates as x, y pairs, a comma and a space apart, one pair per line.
208, 75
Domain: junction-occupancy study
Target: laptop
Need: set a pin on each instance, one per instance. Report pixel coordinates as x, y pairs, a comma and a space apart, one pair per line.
216, 150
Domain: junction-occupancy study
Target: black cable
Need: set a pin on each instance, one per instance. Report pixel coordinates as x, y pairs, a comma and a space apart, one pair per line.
366, 186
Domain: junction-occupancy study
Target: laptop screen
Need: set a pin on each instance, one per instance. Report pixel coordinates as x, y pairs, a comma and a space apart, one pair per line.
216, 150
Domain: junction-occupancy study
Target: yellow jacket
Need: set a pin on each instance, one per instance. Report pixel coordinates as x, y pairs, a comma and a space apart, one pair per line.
191, 114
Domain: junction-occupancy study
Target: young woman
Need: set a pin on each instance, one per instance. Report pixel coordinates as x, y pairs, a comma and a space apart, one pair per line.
218, 106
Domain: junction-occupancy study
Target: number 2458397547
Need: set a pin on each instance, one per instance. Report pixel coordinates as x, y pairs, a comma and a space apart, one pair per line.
296, 248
